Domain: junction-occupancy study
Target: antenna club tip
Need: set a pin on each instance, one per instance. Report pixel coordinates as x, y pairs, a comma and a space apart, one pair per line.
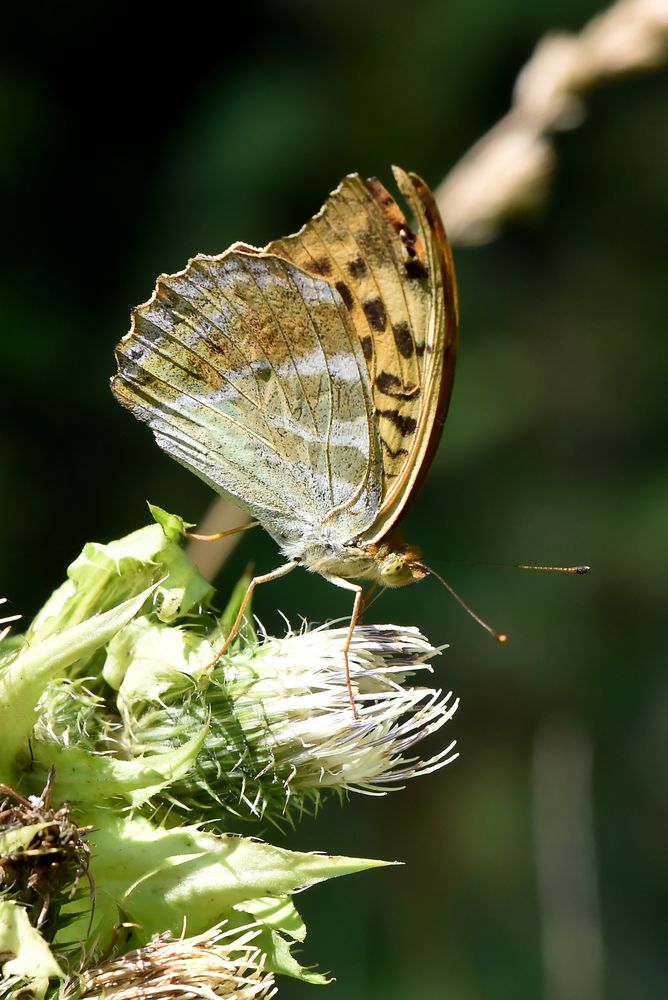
501, 637
582, 570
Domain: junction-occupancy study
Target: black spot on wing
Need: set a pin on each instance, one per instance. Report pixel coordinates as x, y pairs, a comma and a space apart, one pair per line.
405, 425
345, 294
403, 339
374, 311
357, 268
321, 266
367, 347
386, 381
391, 385
393, 453
415, 269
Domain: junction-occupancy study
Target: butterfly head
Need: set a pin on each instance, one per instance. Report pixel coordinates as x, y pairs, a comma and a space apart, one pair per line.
396, 565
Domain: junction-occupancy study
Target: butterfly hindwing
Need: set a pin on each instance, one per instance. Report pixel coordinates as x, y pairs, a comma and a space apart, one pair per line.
250, 373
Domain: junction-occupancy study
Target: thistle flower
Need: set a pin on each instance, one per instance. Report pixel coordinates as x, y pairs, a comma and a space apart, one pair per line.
112, 693
280, 727
216, 963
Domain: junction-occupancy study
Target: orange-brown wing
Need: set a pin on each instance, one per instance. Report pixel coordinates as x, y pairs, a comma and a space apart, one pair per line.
399, 288
441, 339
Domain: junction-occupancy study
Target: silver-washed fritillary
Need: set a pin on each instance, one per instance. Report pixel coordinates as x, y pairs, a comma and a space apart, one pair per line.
310, 379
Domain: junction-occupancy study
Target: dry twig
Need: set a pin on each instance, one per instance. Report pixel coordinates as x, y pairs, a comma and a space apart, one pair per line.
507, 171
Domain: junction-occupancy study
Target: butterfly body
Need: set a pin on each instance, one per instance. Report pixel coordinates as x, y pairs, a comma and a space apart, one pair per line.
391, 564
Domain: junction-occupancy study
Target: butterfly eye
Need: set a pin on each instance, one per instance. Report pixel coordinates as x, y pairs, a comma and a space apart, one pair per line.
394, 570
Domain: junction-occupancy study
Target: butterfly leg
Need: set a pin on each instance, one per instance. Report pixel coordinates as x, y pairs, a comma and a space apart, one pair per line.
265, 578
221, 534
357, 590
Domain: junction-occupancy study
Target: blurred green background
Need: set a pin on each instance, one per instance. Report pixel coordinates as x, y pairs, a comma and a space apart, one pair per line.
536, 865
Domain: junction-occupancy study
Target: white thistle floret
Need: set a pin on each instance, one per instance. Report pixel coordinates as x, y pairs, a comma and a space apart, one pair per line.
297, 686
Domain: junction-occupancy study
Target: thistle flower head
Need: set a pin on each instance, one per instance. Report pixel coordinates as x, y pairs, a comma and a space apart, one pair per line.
116, 692
281, 729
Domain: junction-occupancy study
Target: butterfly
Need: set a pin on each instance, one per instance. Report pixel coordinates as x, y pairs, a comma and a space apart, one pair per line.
310, 379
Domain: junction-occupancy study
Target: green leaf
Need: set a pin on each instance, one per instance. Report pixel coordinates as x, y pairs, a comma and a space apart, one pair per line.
10, 646
277, 912
24, 679
281, 960
30, 958
160, 877
173, 526
184, 589
280, 919
148, 658
104, 575
88, 778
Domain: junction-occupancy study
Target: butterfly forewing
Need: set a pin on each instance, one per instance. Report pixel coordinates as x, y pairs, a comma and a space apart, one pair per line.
440, 338
250, 373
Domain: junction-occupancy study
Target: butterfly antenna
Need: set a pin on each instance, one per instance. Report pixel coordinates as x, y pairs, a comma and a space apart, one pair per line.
576, 570
573, 570
499, 636
371, 599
